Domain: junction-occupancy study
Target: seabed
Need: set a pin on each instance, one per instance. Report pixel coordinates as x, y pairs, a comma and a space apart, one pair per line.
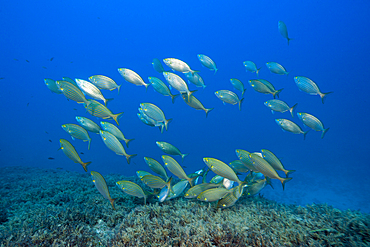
40, 207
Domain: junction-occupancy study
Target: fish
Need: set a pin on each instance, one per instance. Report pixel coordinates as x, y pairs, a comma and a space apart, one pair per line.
251, 67
132, 189
265, 87
141, 174
97, 109
115, 131
195, 103
170, 149
70, 80
212, 195
196, 79
195, 191
229, 97
51, 84
312, 122
221, 169
27, 61
165, 192
178, 65
178, 188
51, 59
156, 167
257, 186
283, 30
308, 86
50, 158
132, 77
88, 124
50, 140
113, 144
154, 182
280, 106
2, 78
44, 67
71, 153
243, 155
274, 161
266, 169
147, 120
154, 112
102, 187
157, 65
176, 169
177, 83
276, 68
104, 82
238, 166
207, 62
228, 200
72, 92
238, 85
76, 131
290, 126
81, 153
91, 90
162, 88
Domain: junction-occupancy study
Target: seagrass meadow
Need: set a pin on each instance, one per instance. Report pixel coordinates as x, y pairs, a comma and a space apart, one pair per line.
55, 207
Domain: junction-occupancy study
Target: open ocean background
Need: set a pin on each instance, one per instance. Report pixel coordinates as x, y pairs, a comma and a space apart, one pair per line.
330, 45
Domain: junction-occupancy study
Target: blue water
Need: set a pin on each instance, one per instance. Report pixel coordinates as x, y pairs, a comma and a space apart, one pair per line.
330, 45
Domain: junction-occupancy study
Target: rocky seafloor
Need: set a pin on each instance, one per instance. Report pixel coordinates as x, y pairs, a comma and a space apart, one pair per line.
55, 207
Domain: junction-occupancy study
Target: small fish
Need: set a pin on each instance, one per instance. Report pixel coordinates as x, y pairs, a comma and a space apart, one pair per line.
238, 85
156, 167
71, 153
88, 124
78, 132
157, 65
72, 92
81, 153
104, 82
194, 191
308, 86
177, 83
99, 110
132, 77
195, 103
51, 84
2, 78
196, 79
102, 187
28, 104
50, 140
27, 61
176, 169
221, 169
178, 65
132, 189
51, 59
229, 97
113, 144
283, 30
265, 87
251, 67
212, 195
44, 67
274, 161
51, 158
276, 68
141, 174
162, 88
312, 122
115, 131
207, 62
290, 126
266, 169
91, 90
279, 106
170, 149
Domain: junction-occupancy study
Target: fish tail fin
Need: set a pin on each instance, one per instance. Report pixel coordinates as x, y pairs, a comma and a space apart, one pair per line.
268, 181
243, 92
161, 128
276, 94
107, 100
208, 110
291, 109
88, 146
119, 87
284, 180
173, 97
258, 70
146, 86
183, 156
323, 96
190, 93
166, 123
289, 39
169, 185
85, 164
304, 134
117, 116
204, 86
129, 156
128, 140
215, 70
240, 104
192, 180
194, 71
112, 200
287, 172
324, 132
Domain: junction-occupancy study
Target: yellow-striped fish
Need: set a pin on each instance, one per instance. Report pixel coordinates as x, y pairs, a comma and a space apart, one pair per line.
212, 195
199, 188
229, 97
72, 92
207, 62
102, 187
153, 181
274, 161
222, 169
88, 124
170, 149
132, 189
71, 153
308, 86
176, 169
141, 174
76, 131
99, 110
114, 144
195, 103
244, 157
156, 167
115, 131
312, 122
290, 126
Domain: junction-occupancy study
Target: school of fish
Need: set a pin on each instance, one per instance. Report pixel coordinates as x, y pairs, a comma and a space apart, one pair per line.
259, 168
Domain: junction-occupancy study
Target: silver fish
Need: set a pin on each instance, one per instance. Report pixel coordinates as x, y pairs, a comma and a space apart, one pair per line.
229, 97
177, 83
283, 30
308, 86
91, 90
290, 126
207, 62
196, 79
178, 65
279, 106
312, 122
132, 77
88, 124
155, 113
162, 88
104, 82
265, 87
115, 131
238, 85
251, 67
276, 68
76, 131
